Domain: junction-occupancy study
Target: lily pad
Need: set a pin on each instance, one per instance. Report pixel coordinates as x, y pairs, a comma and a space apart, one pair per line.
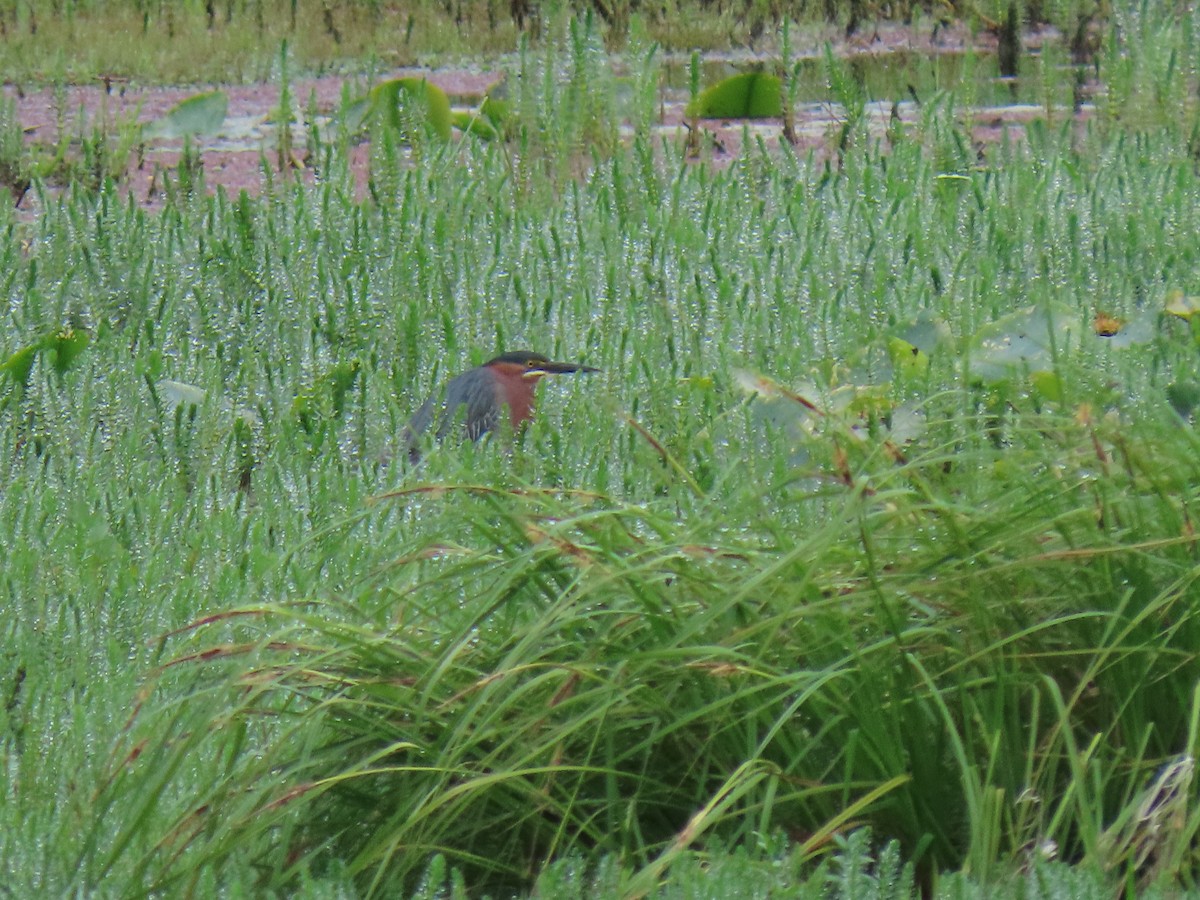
177, 393
751, 95
201, 114
907, 358
912, 346
385, 100
476, 124
927, 333
1024, 342
354, 114
1141, 329
496, 107
1181, 305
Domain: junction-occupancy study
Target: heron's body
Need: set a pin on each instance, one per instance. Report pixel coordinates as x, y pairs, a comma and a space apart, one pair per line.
475, 400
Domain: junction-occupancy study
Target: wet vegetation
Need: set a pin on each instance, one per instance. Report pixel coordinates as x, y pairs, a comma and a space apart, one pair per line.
188, 41
866, 567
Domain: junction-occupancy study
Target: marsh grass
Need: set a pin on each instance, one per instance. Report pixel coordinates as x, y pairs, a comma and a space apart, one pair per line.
235, 40
762, 582
560, 672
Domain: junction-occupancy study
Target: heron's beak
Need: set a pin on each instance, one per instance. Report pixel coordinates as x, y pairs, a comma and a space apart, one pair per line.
557, 368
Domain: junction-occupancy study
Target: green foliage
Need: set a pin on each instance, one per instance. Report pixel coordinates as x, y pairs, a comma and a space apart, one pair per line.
792, 565
14, 164
495, 106
327, 398
478, 124
751, 95
389, 102
1027, 341
532, 657
198, 115
192, 42
60, 349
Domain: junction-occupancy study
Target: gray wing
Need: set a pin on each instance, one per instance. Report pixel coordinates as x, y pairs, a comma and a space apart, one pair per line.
472, 404
468, 401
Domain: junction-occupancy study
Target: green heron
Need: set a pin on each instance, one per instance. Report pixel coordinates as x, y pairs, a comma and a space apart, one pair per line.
508, 380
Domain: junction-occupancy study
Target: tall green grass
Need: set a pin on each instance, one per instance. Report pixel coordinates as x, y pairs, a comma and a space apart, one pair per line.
763, 581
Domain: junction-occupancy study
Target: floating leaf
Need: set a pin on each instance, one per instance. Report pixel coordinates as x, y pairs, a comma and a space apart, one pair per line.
927, 333
354, 115
176, 393
62, 348
18, 366
496, 107
476, 124
907, 358
1141, 329
386, 99
912, 346
751, 95
906, 423
1178, 304
1024, 342
201, 114
65, 347
768, 388
1048, 384
870, 400
699, 382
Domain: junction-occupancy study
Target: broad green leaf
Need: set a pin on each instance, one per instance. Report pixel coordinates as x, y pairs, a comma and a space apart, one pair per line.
355, 114
1181, 305
177, 393
1141, 329
911, 347
64, 347
751, 95
927, 333
201, 114
907, 358
1048, 384
476, 124
496, 108
429, 99
18, 366
1020, 343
